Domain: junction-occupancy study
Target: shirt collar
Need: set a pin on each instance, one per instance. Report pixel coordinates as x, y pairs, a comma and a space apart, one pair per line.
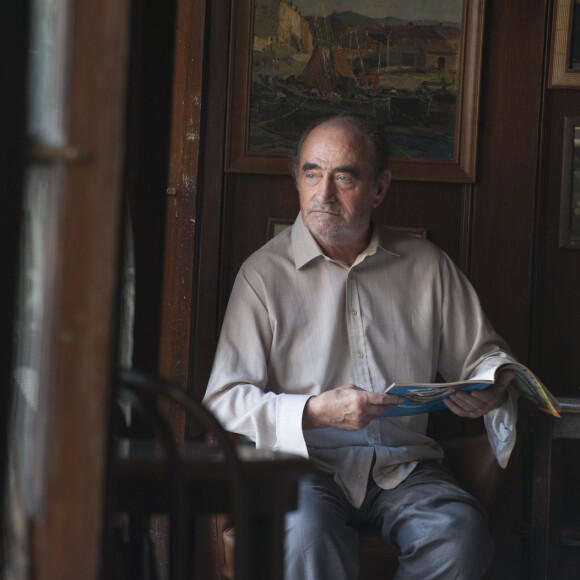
306, 249
304, 245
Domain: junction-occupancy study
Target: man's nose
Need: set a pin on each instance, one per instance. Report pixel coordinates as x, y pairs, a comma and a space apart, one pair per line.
327, 190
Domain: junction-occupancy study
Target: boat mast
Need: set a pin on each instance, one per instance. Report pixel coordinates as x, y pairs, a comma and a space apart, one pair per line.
362, 66
328, 30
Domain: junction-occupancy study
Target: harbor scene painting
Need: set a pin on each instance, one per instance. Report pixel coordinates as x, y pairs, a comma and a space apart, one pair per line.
397, 62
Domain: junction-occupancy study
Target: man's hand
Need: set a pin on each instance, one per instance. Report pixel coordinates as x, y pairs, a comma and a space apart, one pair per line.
348, 407
477, 403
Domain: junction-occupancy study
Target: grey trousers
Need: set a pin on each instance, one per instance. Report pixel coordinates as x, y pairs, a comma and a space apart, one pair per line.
440, 530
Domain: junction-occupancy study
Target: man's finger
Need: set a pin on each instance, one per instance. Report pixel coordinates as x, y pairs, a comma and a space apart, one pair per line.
383, 399
505, 378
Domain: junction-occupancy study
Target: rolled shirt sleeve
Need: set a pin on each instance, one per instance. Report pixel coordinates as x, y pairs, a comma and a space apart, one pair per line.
501, 428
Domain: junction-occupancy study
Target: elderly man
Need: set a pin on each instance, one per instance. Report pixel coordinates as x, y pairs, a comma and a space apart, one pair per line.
320, 321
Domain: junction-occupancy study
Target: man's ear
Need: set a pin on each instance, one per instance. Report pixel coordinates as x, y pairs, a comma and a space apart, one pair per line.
382, 185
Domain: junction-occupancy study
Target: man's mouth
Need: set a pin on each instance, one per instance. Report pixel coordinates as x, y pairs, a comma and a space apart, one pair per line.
324, 211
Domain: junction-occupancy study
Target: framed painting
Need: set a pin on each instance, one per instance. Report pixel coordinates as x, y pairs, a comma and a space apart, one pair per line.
564, 70
569, 231
411, 66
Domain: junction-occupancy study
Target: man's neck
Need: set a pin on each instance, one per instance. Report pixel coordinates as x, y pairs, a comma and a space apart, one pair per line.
347, 252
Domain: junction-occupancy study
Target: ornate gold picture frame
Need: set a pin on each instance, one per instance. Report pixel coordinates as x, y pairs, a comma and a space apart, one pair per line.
291, 60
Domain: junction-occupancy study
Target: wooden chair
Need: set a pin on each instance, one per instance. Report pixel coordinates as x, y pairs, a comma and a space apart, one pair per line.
470, 459
152, 474
136, 560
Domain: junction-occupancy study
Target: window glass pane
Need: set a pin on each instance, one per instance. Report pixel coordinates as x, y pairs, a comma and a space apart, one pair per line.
38, 258
47, 66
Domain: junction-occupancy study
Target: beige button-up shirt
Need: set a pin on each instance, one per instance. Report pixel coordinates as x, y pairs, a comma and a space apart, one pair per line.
299, 323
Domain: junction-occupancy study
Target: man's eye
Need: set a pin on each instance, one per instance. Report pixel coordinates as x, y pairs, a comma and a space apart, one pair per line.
344, 178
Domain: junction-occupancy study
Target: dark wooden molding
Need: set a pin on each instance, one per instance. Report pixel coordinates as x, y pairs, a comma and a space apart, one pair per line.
181, 226
467, 203
14, 43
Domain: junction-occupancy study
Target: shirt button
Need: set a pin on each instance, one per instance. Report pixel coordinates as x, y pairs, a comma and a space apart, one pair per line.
354, 312
360, 354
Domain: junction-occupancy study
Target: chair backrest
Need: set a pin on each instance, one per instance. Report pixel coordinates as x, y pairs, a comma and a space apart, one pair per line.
138, 388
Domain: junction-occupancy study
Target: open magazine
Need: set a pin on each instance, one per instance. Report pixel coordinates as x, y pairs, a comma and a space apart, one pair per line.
427, 397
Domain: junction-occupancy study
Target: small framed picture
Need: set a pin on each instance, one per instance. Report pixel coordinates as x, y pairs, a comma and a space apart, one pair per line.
569, 232
565, 49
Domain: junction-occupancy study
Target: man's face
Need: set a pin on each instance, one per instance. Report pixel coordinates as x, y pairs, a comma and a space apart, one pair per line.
336, 184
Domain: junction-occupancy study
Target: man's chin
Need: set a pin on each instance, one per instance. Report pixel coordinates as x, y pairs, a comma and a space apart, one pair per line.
324, 232
323, 223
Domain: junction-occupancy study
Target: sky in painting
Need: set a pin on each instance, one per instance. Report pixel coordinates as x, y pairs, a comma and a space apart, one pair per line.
439, 10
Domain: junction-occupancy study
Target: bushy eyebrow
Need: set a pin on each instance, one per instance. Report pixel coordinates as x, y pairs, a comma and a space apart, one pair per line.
308, 166
350, 169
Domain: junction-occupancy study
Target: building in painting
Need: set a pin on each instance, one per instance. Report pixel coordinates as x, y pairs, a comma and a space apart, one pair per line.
280, 22
293, 28
440, 56
266, 20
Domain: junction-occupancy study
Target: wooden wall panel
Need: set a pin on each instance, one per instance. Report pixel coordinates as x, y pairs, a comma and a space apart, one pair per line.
436, 207
250, 201
503, 226
556, 339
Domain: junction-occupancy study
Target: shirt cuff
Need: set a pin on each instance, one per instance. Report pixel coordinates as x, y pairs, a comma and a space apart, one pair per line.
501, 428
289, 434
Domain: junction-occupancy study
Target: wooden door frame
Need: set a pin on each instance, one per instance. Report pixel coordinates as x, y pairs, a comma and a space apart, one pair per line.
193, 195
64, 532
